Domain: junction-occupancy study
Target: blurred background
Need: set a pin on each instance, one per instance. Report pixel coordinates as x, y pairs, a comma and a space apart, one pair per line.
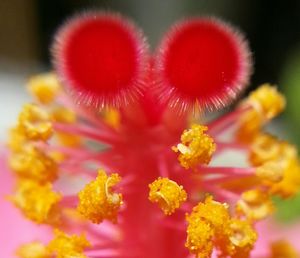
272, 27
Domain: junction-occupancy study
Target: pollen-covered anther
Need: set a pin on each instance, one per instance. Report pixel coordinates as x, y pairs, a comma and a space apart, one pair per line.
16, 139
32, 163
282, 249
44, 87
167, 194
207, 221
63, 245
33, 250
196, 147
97, 201
255, 205
35, 123
267, 101
199, 237
290, 184
242, 237
37, 202
264, 147
271, 171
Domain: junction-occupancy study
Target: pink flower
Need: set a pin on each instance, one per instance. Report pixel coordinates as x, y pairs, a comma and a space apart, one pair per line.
124, 124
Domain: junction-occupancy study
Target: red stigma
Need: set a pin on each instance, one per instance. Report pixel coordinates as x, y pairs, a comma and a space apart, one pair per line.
202, 63
101, 58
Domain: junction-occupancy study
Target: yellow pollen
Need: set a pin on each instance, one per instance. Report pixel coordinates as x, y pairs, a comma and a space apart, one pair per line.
37, 202
32, 163
35, 123
199, 237
211, 227
196, 147
266, 103
44, 87
214, 212
112, 117
65, 246
33, 250
273, 157
167, 194
16, 139
207, 221
290, 184
255, 205
283, 249
242, 238
65, 115
265, 147
97, 201
271, 171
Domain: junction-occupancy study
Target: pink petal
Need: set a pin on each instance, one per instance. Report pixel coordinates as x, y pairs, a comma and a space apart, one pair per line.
270, 231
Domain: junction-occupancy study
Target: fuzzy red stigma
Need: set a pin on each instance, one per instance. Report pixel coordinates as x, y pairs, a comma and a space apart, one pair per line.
101, 58
202, 63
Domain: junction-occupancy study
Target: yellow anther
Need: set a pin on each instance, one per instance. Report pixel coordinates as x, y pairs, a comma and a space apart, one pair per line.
242, 238
44, 87
214, 212
64, 115
265, 147
196, 147
283, 249
255, 205
16, 139
207, 221
167, 194
65, 246
37, 202
199, 236
267, 101
97, 201
249, 126
272, 157
210, 226
35, 123
32, 163
33, 250
290, 184
271, 171
112, 117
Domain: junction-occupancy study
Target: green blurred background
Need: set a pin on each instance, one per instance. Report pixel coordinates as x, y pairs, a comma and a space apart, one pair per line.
272, 27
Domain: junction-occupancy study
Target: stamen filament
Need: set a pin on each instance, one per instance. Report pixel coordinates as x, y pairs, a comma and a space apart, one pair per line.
221, 124
232, 171
86, 115
88, 132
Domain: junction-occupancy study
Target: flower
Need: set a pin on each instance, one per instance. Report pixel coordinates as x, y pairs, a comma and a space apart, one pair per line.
122, 123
